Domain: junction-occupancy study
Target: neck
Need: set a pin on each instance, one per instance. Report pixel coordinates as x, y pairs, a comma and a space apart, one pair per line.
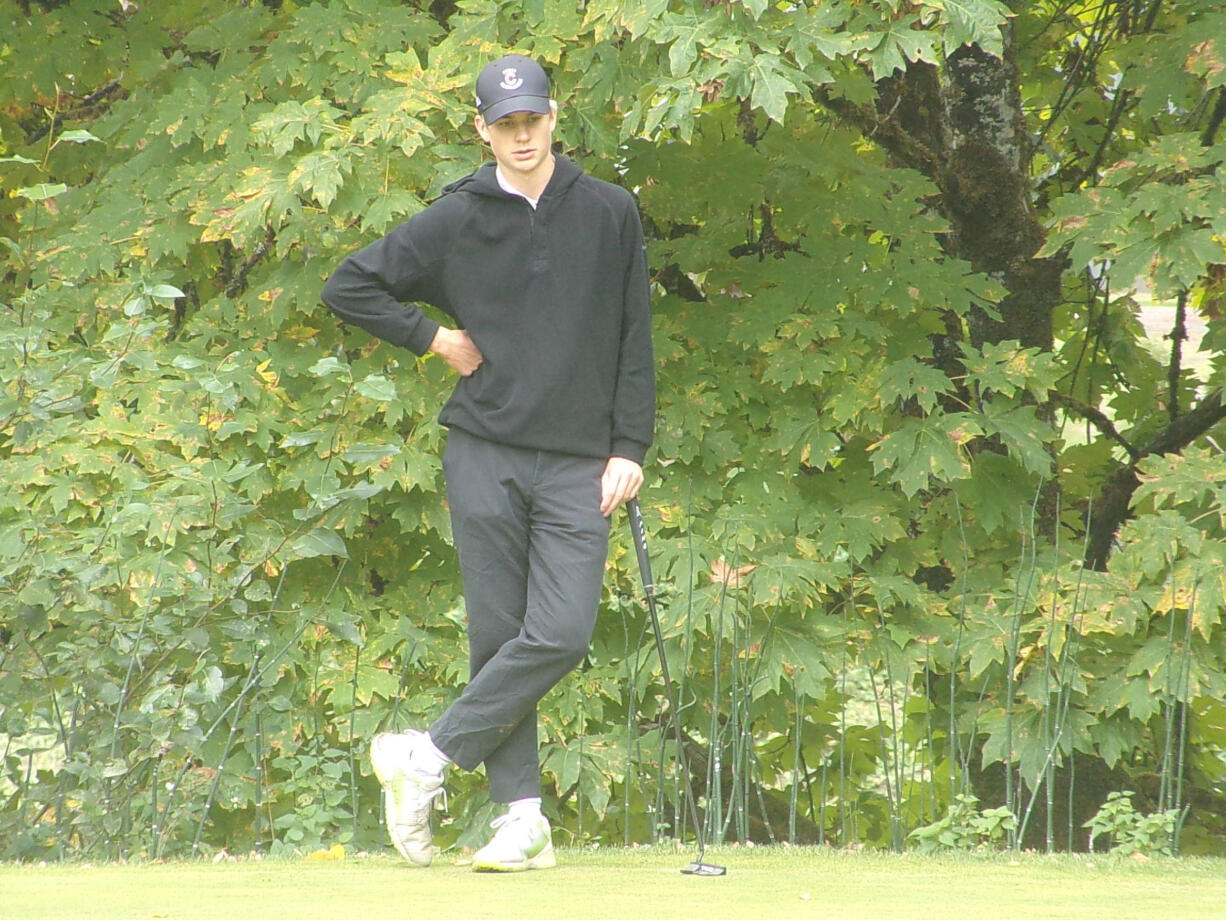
531, 184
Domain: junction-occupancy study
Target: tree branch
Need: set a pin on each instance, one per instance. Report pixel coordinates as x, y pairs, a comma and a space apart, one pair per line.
1187, 428
1178, 336
1114, 504
1090, 172
882, 130
1209, 136
79, 110
1100, 421
238, 283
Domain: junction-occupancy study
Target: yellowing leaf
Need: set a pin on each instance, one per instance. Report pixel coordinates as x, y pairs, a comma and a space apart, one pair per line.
1208, 60
334, 852
269, 376
722, 573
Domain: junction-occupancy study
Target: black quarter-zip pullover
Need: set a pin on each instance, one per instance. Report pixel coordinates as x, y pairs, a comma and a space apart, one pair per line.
556, 298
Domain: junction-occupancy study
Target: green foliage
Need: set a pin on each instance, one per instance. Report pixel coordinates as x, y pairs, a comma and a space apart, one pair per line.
1130, 833
224, 548
1157, 215
966, 827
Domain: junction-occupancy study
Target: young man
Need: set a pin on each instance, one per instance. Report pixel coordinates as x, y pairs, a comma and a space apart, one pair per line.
543, 270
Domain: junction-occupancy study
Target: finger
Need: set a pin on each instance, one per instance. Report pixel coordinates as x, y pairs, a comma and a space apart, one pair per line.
468, 363
606, 500
632, 489
609, 495
617, 496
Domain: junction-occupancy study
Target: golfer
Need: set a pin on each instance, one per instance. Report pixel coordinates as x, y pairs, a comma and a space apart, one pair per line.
541, 272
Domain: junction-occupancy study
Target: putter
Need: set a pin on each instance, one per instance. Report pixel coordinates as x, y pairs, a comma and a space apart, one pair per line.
698, 866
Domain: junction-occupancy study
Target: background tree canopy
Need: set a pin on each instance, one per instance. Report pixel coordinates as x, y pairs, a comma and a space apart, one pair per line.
939, 522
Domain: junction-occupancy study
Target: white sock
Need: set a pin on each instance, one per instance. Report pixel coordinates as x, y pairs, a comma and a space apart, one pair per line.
429, 759
525, 808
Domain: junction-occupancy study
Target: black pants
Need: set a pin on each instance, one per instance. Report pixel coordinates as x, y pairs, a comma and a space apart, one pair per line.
532, 545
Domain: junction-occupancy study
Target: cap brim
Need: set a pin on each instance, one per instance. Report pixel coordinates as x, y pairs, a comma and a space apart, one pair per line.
504, 107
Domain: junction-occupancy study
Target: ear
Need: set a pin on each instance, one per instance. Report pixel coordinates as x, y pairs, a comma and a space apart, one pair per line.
482, 128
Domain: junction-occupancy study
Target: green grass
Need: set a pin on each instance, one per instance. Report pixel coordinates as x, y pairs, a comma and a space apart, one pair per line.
645, 884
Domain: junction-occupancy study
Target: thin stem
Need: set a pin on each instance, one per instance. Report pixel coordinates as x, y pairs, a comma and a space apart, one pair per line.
715, 793
353, 748
891, 756
843, 716
798, 697
1185, 701
1171, 700
958, 761
890, 797
307, 619
221, 764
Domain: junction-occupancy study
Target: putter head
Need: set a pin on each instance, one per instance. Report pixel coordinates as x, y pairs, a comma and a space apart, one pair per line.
704, 868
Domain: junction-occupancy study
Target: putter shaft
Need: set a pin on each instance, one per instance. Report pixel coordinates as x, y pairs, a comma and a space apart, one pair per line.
638, 532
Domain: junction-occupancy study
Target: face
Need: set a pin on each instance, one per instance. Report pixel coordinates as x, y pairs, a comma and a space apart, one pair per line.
520, 141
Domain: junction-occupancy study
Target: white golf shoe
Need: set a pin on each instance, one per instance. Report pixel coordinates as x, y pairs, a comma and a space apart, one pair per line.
521, 842
409, 792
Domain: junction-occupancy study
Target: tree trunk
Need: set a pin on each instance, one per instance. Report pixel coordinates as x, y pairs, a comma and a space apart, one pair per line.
966, 121
985, 184
963, 126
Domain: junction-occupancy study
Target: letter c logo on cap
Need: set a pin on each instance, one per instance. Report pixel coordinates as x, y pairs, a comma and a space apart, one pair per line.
510, 79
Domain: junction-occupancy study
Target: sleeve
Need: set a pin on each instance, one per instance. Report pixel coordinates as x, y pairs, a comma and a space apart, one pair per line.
376, 287
634, 401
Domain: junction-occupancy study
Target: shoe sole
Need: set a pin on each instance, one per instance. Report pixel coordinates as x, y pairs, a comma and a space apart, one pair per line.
420, 858
388, 777
542, 860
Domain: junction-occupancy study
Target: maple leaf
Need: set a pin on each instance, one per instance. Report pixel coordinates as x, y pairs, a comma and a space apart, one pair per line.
722, 573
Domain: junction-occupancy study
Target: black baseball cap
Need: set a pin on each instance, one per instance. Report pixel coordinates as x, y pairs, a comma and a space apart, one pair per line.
513, 83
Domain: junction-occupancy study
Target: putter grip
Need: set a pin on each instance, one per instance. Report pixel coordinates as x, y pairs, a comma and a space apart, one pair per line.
640, 545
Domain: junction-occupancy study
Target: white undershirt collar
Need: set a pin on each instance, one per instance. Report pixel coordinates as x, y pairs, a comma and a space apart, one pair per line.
510, 189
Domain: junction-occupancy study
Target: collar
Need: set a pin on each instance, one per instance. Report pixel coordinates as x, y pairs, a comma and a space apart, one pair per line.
510, 190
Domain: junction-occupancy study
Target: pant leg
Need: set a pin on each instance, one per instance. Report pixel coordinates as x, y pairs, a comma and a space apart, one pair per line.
566, 562
532, 545
487, 493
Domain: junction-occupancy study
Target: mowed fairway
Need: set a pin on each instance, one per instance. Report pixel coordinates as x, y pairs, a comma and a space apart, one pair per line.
644, 884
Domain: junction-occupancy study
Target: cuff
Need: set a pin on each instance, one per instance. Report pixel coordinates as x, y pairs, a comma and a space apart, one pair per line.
630, 450
422, 335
